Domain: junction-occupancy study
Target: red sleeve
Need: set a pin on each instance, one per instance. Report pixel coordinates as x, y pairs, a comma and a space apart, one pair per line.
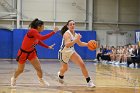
38, 36
43, 44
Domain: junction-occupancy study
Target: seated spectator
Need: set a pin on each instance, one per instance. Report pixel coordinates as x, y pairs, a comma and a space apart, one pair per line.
106, 54
136, 55
99, 53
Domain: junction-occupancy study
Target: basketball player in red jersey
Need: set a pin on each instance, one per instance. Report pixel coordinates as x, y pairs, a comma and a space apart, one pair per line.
28, 51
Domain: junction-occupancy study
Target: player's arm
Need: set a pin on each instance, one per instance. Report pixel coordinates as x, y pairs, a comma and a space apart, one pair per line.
45, 45
43, 37
68, 42
80, 43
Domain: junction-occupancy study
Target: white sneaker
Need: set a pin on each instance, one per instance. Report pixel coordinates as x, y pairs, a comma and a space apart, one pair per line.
43, 83
117, 63
60, 79
90, 84
13, 82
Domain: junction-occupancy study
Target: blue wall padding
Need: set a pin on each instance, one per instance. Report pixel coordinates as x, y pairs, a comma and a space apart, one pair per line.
83, 51
6, 43
11, 41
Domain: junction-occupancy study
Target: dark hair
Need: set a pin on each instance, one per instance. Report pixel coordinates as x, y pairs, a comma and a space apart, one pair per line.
65, 28
35, 23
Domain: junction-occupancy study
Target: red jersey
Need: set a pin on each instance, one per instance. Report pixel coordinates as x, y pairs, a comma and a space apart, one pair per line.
32, 38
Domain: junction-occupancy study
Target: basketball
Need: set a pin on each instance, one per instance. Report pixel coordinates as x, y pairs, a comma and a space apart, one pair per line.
92, 45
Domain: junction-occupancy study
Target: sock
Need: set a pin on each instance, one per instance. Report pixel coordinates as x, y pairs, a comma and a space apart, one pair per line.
88, 79
61, 77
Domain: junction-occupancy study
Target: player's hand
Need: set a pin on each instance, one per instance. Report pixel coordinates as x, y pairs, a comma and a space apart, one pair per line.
56, 29
51, 46
78, 37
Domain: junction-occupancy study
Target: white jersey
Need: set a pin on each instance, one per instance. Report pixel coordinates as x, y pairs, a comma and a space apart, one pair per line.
64, 52
63, 47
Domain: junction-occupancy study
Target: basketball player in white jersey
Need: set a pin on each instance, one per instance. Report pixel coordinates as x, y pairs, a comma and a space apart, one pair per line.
67, 52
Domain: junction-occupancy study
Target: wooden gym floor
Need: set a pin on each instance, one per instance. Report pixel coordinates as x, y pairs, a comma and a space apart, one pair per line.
108, 78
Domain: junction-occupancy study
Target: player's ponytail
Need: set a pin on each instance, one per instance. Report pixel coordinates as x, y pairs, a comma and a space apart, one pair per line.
35, 23
65, 28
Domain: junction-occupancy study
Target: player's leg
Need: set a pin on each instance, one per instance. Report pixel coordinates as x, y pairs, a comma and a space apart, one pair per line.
21, 58
18, 71
63, 69
36, 64
63, 58
78, 60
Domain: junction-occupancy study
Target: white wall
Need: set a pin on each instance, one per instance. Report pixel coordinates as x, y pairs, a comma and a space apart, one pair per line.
105, 15
101, 36
115, 39
2, 9
71, 9
65, 9
42, 9
105, 10
105, 18
2, 2
7, 24
129, 11
130, 37
49, 25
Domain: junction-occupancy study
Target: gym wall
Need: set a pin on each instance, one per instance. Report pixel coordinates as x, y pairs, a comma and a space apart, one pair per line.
11, 41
